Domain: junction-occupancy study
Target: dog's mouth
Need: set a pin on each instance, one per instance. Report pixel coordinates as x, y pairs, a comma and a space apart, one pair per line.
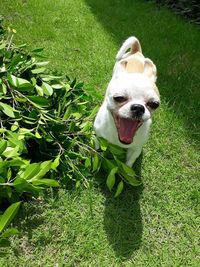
126, 128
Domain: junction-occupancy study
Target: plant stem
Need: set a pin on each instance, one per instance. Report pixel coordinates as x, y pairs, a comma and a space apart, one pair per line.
10, 42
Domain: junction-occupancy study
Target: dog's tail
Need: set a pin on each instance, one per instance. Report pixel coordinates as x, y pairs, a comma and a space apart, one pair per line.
131, 43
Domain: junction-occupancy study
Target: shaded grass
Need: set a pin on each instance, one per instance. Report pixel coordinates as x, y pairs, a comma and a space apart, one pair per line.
151, 226
167, 39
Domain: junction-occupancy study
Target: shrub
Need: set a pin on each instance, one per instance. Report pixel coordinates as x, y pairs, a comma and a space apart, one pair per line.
46, 132
188, 8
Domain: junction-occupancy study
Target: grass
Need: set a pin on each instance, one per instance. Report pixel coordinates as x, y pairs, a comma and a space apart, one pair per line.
157, 224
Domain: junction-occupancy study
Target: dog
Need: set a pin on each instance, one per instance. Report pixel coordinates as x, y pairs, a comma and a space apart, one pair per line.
125, 117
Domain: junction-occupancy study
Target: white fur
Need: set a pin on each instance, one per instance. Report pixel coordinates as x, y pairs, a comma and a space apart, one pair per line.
138, 88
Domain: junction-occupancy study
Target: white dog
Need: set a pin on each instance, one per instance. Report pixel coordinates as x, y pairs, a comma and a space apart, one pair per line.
124, 118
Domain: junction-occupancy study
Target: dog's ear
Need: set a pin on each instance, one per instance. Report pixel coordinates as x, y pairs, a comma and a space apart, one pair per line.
150, 70
136, 47
124, 63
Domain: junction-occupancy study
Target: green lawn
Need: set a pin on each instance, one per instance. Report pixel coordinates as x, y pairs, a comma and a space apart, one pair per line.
154, 225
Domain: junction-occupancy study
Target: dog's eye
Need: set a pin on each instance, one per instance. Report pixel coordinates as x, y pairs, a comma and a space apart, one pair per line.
120, 99
153, 104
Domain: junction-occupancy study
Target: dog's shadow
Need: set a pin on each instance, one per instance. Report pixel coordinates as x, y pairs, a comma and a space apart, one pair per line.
123, 219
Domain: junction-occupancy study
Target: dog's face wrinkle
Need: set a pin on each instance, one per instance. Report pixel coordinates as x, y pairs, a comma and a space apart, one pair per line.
120, 100
124, 109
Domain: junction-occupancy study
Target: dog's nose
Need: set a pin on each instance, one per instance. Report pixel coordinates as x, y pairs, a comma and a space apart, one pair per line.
137, 110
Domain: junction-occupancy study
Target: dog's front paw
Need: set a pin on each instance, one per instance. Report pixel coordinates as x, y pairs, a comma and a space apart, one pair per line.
130, 163
132, 155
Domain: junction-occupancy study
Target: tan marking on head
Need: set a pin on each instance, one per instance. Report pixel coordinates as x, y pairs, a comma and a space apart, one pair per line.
134, 64
137, 63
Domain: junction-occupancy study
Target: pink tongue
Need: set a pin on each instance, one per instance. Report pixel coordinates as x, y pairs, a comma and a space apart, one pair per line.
127, 129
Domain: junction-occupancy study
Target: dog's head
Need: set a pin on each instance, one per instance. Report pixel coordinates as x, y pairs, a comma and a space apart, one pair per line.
132, 95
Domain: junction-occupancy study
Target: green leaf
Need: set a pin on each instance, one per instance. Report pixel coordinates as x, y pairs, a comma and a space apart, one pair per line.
22, 45
8, 215
33, 80
108, 165
15, 60
41, 64
9, 174
15, 126
4, 89
2, 130
88, 163
20, 99
21, 186
47, 89
72, 126
31, 171
41, 101
3, 145
37, 50
85, 126
68, 112
14, 139
8, 110
78, 183
55, 163
37, 135
95, 162
12, 80
24, 85
9, 232
94, 112
11, 152
57, 86
48, 78
128, 173
119, 188
128, 170
77, 115
111, 178
103, 144
39, 90
117, 151
44, 168
17, 162
3, 164
37, 71
48, 182
19, 83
